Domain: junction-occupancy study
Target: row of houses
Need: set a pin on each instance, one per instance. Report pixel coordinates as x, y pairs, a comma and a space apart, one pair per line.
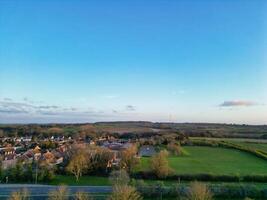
10, 156
16, 139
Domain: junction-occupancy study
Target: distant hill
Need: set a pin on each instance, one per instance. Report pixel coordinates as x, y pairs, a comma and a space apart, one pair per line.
136, 127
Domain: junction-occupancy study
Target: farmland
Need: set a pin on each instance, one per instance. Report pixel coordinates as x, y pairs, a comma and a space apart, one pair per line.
257, 144
219, 161
209, 153
85, 180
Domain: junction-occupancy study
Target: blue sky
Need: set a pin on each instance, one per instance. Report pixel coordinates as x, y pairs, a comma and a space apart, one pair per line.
179, 61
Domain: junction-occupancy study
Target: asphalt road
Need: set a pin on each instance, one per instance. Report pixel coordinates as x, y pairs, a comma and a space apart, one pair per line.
41, 191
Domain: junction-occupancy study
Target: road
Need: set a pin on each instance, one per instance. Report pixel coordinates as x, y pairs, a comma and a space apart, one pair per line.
41, 191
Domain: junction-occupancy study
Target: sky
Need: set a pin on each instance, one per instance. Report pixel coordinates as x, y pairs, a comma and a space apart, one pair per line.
80, 61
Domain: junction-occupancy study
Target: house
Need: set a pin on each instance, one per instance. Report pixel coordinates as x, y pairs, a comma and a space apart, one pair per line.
8, 151
62, 148
31, 154
113, 162
26, 158
9, 161
9, 157
59, 160
23, 139
92, 142
116, 146
37, 152
146, 151
48, 157
58, 156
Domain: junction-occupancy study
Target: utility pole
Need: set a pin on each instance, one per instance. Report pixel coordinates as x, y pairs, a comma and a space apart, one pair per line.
36, 172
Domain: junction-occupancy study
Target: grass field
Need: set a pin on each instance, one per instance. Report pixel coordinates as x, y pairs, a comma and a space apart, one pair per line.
218, 161
84, 180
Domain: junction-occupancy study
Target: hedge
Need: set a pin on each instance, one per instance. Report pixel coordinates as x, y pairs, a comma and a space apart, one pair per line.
256, 152
213, 143
202, 177
225, 191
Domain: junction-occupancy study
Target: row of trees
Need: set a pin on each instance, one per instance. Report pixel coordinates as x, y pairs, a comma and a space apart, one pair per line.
121, 190
94, 159
27, 172
196, 191
60, 194
88, 159
85, 160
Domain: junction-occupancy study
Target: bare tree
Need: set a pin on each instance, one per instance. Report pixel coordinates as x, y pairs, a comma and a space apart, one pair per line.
128, 159
20, 195
82, 196
78, 164
174, 148
159, 164
60, 194
199, 191
124, 192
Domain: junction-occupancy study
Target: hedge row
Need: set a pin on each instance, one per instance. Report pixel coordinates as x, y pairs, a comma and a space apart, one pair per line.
213, 143
238, 191
227, 191
203, 177
256, 152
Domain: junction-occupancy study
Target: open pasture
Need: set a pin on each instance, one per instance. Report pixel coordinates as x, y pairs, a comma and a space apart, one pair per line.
214, 160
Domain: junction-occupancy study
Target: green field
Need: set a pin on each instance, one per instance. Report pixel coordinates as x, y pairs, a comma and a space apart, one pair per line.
84, 180
217, 161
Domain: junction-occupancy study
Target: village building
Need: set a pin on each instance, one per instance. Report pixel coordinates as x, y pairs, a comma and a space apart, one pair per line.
146, 151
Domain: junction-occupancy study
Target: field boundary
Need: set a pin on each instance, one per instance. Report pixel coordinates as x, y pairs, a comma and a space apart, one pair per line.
213, 143
202, 177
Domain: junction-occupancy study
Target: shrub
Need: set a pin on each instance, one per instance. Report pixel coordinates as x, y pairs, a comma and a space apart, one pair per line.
82, 196
158, 189
236, 191
140, 185
20, 195
255, 178
119, 177
60, 194
174, 148
190, 177
221, 191
177, 190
